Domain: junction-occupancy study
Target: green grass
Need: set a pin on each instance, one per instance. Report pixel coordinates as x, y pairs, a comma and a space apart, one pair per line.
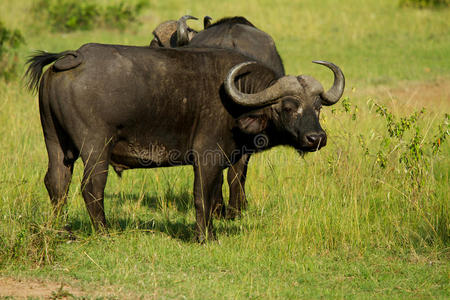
331, 224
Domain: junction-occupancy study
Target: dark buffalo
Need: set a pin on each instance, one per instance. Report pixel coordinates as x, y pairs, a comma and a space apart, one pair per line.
241, 35
133, 107
228, 33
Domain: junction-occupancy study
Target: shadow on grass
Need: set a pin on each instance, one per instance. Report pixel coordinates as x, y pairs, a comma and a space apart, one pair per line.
182, 228
179, 229
182, 202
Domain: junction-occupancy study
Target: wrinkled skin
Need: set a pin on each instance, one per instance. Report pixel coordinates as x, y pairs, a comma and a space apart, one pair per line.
239, 34
147, 115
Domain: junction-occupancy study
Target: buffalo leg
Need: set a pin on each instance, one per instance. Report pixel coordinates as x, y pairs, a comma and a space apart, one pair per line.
236, 181
93, 185
61, 157
219, 206
206, 179
59, 174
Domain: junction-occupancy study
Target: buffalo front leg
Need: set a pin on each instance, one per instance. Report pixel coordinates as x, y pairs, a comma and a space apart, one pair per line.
219, 206
236, 181
206, 179
96, 163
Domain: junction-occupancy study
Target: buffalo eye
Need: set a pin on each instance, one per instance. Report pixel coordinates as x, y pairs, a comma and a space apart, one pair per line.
290, 106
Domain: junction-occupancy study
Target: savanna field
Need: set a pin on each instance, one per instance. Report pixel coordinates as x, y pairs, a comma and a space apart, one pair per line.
365, 217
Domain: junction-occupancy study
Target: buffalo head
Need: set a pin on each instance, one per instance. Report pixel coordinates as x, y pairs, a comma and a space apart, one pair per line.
290, 107
171, 34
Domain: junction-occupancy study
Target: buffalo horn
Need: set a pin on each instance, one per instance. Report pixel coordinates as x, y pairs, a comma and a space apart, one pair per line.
183, 30
206, 22
283, 86
335, 92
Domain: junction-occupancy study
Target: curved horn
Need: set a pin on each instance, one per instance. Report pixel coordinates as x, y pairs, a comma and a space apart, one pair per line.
335, 92
283, 86
183, 30
206, 22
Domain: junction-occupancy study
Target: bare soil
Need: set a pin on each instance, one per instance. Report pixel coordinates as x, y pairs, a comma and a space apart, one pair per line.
434, 95
28, 288
25, 288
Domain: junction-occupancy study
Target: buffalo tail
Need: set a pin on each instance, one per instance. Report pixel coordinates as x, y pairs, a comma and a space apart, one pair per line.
36, 63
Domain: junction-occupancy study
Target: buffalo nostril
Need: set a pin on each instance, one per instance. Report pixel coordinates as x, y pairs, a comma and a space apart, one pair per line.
313, 139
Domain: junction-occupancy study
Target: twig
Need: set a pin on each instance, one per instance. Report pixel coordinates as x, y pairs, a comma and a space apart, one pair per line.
90, 258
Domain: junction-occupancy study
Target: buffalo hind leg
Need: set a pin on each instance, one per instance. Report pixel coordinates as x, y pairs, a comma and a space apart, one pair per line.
59, 174
96, 162
236, 182
206, 179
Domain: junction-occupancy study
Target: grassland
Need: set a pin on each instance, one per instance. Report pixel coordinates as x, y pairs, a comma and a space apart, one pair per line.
337, 223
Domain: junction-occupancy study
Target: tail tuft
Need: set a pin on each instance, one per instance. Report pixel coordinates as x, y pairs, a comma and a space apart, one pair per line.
36, 63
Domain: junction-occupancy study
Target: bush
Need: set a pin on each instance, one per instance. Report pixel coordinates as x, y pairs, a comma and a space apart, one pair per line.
10, 40
406, 154
404, 145
424, 3
70, 15
121, 14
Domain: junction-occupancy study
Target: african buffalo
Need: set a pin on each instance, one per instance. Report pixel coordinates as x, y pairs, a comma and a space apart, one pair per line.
229, 33
241, 35
133, 107
171, 34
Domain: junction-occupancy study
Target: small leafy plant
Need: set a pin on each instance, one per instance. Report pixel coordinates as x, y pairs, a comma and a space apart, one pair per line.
407, 147
406, 140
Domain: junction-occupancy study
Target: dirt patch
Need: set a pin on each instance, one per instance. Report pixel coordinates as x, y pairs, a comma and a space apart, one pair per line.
46, 289
22, 289
433, 95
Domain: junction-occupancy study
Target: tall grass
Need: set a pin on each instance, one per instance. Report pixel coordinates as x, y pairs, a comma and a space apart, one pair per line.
351, 219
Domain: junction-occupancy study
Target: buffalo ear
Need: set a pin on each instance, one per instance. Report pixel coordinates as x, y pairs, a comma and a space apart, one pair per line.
252, 123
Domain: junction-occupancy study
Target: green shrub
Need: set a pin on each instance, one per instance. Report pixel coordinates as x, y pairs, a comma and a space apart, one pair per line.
403, 152
405, 142
10, 40
121, 14
69, 15
72, 15
424, 3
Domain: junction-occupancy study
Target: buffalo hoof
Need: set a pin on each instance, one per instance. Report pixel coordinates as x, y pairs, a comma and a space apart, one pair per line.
219, 211
203, 238
100, 228
232, 213
69, 233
